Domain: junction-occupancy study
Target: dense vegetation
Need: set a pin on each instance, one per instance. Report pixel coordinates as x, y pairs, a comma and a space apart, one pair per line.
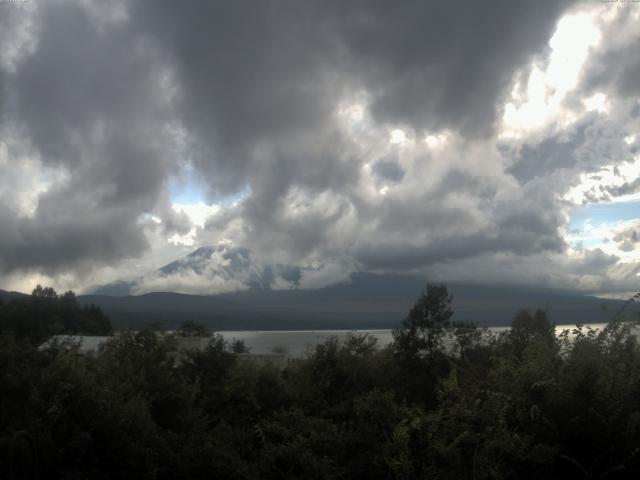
443, 401
46, 313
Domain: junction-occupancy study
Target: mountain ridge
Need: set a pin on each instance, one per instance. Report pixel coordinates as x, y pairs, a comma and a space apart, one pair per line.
368, 301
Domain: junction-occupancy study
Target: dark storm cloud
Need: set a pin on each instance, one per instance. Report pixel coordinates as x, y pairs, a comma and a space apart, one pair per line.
89, 102
82, 83
552, 153
254, 86
523, 224
50, 240
255, 75
260, 80
291, 274
440, 64
252, 77
12, 41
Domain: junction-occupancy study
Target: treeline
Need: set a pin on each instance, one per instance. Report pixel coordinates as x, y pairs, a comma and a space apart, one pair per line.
443, 401
45, 313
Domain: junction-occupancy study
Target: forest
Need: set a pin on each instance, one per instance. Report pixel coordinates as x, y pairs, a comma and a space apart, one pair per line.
443, 401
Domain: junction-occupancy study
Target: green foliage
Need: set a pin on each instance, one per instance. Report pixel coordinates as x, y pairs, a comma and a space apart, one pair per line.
527, 328
238, 346
419, 345
46, 313
444, 401
190, 328
421, 333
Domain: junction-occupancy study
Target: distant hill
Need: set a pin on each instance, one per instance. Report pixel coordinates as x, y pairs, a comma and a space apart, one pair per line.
368, 301
7, 296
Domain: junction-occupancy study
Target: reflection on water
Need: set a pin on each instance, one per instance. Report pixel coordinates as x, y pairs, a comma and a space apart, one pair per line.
297, 342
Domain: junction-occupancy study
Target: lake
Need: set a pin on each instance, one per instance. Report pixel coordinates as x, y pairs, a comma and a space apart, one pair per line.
297, 342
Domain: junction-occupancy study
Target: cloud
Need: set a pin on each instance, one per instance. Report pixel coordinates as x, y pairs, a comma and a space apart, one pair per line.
350, 136
224, 268
89, 103
616, 65
388, 169
627, 240
260, 90
593, 262
435, 66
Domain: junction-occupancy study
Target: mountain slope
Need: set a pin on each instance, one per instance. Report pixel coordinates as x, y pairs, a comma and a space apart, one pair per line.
7, 296
368, 301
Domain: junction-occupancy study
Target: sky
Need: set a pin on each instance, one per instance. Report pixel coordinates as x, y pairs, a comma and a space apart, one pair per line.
489, 142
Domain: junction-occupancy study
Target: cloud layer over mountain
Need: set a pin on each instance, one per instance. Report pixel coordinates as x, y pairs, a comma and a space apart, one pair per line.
325, 136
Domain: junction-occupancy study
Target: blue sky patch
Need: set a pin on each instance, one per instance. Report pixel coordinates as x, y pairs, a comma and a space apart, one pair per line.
600, 213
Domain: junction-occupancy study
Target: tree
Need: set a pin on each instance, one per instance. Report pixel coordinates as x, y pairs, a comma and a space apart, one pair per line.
418, 345
46, 313
422, 332
527, 328
239, 346
191, 328
44, 292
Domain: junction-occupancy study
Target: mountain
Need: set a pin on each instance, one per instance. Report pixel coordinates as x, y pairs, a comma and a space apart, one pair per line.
8, 296
115, 289
365, 301
220, 265
368, 301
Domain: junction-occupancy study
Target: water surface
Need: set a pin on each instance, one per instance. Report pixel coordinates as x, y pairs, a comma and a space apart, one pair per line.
298, 342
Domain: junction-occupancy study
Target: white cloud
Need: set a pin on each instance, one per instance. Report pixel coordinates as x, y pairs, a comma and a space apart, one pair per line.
208, 281
603, 184
198, 214
398, 136
437, 139
598, 102
539, 102
23, 178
